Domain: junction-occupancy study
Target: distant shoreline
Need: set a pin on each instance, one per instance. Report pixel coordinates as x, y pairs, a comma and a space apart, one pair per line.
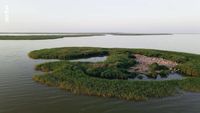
84, 33
46, 36
40, 37
142, 34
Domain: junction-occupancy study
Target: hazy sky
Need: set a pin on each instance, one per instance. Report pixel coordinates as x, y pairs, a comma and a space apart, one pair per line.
181, 16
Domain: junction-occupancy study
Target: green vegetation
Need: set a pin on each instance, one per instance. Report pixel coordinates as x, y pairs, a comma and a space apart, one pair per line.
41, 37
109, 78
189, 64
156, 69
68, 53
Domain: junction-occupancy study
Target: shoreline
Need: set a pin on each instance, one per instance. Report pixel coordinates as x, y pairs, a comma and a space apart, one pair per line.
39, 37
45, 36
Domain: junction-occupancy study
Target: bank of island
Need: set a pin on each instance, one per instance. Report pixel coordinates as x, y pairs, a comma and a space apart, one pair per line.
115, 77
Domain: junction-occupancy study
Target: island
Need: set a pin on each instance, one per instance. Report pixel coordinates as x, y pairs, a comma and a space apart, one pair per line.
116, 75
46, 36
43, 36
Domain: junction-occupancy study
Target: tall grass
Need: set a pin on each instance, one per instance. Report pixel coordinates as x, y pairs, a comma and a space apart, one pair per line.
109, 78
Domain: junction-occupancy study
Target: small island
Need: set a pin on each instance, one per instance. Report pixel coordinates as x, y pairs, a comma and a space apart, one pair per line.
47, 36
116, 75
44, 36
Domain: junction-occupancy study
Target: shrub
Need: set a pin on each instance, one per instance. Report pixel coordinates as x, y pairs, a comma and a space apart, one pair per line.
157, 67
155, 70
113, 74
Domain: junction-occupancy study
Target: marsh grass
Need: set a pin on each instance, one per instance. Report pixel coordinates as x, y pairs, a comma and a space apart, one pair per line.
109, 77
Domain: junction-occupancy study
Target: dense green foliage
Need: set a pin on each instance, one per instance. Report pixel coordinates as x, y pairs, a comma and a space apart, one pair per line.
191, 68
156, 69
67, 53
120, 60
107, 78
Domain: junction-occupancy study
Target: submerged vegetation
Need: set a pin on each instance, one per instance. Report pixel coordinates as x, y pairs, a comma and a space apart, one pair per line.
110, 78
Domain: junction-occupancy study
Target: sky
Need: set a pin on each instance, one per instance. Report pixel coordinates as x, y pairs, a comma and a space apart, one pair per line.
135, 16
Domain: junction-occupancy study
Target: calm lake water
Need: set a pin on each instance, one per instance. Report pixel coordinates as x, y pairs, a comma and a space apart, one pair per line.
20, 94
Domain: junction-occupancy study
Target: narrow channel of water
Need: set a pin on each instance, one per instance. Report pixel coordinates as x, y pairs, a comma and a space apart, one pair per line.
92, 59
171, 76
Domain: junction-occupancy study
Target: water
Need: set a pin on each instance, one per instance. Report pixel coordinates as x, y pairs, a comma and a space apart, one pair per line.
171, 76
20, 94
92, 59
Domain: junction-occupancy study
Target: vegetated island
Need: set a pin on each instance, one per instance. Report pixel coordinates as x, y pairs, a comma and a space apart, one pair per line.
114, 77
43, 36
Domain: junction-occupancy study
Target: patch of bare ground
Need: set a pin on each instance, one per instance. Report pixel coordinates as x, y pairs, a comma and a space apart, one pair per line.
144, 62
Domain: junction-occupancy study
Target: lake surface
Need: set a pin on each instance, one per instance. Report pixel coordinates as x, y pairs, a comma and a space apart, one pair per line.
20, 94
